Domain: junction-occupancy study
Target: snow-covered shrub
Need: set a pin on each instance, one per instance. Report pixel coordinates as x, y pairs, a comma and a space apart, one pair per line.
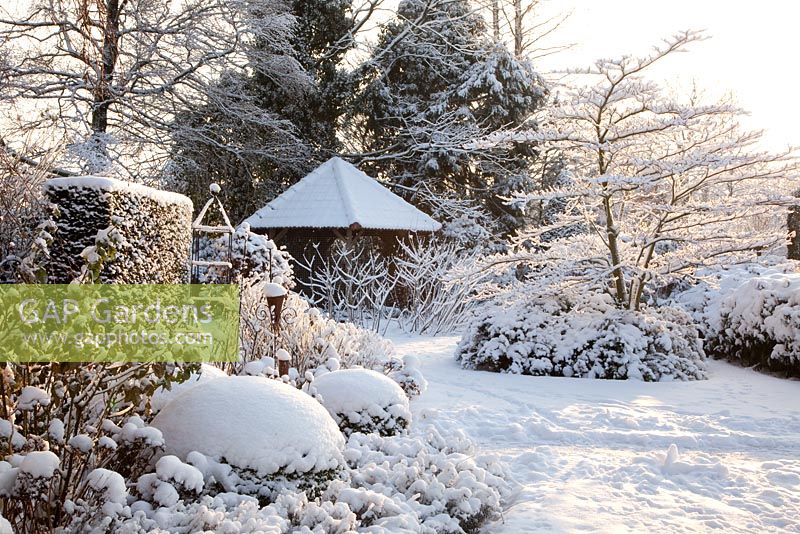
748, 312
351, 281
172, 481
164, 394
702, 297
362, 400
307, 334
426, 483
759, 324
446, 488
85, 416
77, 484
360, 283
592, 338
433, 300
156, 226
253, 256
407, 374
24, 209
271, 435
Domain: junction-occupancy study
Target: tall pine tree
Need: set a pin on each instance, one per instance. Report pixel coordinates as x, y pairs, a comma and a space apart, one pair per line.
294, 94
436, 81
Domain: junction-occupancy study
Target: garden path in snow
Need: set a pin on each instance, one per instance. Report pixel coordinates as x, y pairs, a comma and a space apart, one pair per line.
625, 456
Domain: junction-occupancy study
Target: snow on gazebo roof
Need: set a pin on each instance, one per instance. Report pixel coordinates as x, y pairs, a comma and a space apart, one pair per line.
338, 195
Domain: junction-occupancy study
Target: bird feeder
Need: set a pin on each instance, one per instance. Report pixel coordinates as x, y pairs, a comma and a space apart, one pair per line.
276, 296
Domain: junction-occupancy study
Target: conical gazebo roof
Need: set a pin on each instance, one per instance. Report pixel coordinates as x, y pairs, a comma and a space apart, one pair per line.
337, 195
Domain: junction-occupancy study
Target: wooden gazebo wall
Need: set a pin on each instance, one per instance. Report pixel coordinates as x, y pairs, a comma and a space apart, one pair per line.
299, 241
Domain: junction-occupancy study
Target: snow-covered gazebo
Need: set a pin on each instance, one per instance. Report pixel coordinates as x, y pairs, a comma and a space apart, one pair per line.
338, 201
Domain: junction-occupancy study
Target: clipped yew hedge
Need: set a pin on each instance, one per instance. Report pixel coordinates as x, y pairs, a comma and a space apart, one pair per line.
156, 226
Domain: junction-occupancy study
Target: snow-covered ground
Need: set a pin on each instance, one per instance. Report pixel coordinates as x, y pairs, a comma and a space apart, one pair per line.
614, 456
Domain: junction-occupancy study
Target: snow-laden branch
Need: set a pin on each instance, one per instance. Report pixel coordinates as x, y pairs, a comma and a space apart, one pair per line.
113, 75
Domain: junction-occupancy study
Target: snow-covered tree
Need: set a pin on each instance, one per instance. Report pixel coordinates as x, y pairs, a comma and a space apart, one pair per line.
230, 140
434, 81
659, 186
521, 25
109, 75
296, 97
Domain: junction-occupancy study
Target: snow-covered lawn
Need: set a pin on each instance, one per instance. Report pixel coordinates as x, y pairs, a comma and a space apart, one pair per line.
622, 456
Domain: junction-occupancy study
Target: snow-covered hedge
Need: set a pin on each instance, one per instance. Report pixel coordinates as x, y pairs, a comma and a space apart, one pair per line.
362, 400
155, 225
751, 314
270, 434
591, 339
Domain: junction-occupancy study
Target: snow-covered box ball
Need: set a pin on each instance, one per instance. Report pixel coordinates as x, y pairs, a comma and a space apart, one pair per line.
252, 423
362, 400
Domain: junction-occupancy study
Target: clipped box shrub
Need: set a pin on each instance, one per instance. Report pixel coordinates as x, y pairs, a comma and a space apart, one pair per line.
155, 224
270, 435
362, 400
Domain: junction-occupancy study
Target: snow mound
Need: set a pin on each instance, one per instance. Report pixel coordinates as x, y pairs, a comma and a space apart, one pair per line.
39, 464
31, 397
672, 464
163, 396
362, 400
252, 423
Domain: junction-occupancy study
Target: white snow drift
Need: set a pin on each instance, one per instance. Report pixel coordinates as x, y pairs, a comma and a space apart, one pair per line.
610, 456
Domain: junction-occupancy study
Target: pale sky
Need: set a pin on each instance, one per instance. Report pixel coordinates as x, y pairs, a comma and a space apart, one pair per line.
752, 51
